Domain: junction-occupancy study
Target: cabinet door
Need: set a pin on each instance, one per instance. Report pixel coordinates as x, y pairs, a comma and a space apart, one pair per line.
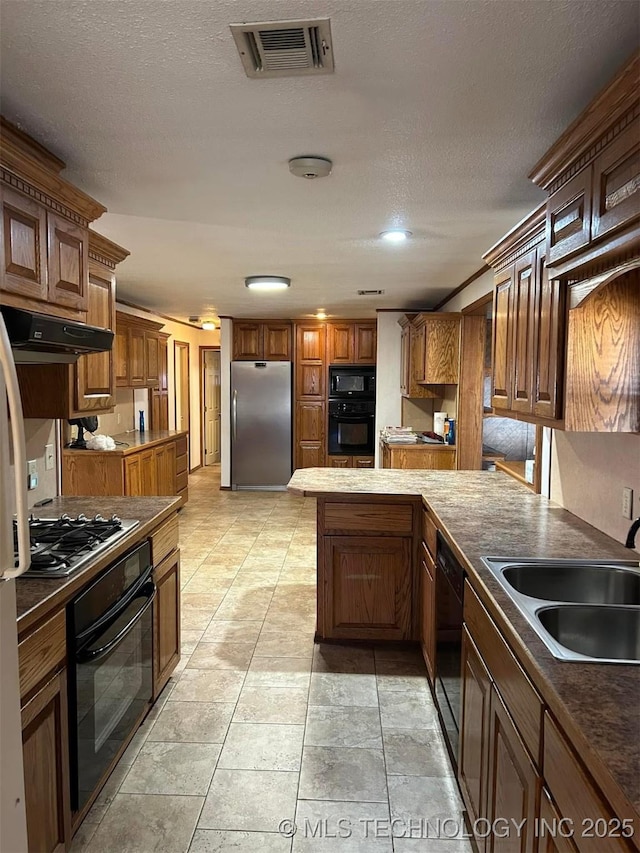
552, 833
152, 358
502, 346
310, 380
428, 613
277, 341
148, 478
418, 356
442, 350
159, 410
310, 421
569, 217
166, 621
68, 257
121, 346
365, 342
368, 587
340, 461
548, 378
405, 361
364, 461
165, 460
310, 454
616, 184
248, 342
136, 351
512, 790
524, 332
340, 343
23, 246
95, 373
133, 476
45, 749
473, 752
163, 350
310, 343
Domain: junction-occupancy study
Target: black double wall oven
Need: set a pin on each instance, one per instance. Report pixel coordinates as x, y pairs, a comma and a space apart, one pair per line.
110, 667
352, 406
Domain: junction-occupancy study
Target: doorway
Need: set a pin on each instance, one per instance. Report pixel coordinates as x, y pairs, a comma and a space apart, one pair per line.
181, 376
210, 404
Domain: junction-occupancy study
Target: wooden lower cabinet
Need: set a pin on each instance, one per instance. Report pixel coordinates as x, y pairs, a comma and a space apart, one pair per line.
368, 587
428, 613
148, 476
164, 458
45, 745
132, 477
422, 457
553, 834
351, 462
513, 785
166, 621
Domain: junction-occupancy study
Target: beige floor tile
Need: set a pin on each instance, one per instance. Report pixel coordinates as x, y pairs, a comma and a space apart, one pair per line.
260, 746
339, 688
346, 827
416, 752
222, 655
423, 798
192, 722
143, 823
399, 710
233, 631
344, 773
172, 768
294, 644
196, 620
271, 705
343, 725
279, 672
272, 795
201, 600
237, 841
208, 685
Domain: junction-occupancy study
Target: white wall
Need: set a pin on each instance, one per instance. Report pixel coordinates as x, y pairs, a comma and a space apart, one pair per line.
195, 338
388, 399
225, 402
38, 433
476, 290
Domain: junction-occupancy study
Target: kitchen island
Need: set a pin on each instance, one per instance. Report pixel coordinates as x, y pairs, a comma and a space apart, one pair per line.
573, 721
47, 659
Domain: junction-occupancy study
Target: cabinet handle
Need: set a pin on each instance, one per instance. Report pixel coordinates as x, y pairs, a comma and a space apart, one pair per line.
234, 415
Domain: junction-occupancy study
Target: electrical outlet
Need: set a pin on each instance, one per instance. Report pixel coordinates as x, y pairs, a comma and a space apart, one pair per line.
627, 503
32, 474
49, 458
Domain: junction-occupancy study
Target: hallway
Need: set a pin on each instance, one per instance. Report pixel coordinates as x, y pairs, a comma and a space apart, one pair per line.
259, 727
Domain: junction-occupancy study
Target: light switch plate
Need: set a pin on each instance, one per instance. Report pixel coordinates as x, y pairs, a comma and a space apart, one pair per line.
627, 503
32, 474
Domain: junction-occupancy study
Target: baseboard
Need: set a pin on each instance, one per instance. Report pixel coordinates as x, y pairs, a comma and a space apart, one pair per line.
225, 489
192, 470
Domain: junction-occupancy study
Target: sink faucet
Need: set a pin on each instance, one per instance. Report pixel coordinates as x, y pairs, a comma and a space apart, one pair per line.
631, 535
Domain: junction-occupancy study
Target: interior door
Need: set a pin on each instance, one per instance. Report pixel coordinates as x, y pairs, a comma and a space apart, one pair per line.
211, 406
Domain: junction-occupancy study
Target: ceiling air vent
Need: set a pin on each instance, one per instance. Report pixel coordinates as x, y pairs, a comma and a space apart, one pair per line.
370, 292
285, 48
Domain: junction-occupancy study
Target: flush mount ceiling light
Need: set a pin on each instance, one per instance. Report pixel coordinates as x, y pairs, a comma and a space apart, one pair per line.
395, 235
267, 282
321, 315
310, 167
208, 326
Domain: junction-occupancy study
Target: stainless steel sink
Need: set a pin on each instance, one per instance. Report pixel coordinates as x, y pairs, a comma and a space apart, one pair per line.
583, 610
610, 633
577, 582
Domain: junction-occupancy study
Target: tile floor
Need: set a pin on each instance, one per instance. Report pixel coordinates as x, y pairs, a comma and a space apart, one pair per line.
258, 725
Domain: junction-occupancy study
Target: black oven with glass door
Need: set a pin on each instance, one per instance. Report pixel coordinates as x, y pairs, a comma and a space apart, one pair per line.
110, 667
352, 383
351, 428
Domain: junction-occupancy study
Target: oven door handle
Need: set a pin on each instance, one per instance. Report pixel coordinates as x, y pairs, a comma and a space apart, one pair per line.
113, 612
87, 655
352, 417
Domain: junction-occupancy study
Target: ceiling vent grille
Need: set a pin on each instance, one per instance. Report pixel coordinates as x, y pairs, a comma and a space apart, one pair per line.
285, 48
370, 292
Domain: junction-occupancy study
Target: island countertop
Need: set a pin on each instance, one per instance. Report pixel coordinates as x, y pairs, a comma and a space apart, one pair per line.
37, 598
131, 442
486, 513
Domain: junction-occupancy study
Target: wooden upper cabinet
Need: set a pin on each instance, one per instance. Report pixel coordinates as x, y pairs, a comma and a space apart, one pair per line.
152, 357
549, 329
502, 345
524, 332
138, 352
310, 343
405, 362
248, 341
569, 218
441, 349
365, 343
68, 262
137, 356
23, 245
95, 373
340, 343
277, 341
616, 184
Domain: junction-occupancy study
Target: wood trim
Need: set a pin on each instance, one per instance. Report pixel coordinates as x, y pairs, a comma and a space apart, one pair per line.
105, 251
123, 319
40, 653
155, 313
519, 240
483, 269
197, 468
481, 303
201, 351
10, 131
579, 140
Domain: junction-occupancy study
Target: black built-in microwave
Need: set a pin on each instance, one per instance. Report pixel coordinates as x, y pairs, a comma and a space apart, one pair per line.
352, 382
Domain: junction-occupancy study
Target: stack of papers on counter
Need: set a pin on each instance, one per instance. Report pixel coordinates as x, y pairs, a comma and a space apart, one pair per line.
399, 435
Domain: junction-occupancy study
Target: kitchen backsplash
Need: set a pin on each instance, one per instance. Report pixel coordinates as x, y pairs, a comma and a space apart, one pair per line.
38, 434
123, 416
418, 412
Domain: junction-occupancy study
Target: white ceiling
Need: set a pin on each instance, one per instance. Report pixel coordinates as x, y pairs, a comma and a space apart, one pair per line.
435, 114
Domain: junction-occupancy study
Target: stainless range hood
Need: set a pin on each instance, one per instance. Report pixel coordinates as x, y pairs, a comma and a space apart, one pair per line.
43, 339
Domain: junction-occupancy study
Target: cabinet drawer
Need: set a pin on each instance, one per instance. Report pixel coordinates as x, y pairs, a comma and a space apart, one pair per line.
41, 653
576, 797
181, 445
429, 535
181, 463
181, 481
378, 518
164, 540
519, 695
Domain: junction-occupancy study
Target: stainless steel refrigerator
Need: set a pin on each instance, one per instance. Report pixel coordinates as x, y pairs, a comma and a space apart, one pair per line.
260, 424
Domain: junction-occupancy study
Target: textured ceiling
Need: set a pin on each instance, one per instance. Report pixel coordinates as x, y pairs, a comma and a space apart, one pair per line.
435, 114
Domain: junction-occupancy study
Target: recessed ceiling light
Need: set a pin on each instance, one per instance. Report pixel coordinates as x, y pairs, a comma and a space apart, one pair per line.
267, 282
396, 235
321, 315
208, 326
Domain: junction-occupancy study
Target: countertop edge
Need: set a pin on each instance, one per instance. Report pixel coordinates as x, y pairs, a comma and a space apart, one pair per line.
126, 451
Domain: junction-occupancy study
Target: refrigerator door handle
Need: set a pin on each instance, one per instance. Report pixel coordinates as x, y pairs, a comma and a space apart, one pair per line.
20, 455
234, 415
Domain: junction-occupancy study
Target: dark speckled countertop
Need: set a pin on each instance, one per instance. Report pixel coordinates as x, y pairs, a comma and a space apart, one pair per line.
130, 442
490, 514
37, 598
